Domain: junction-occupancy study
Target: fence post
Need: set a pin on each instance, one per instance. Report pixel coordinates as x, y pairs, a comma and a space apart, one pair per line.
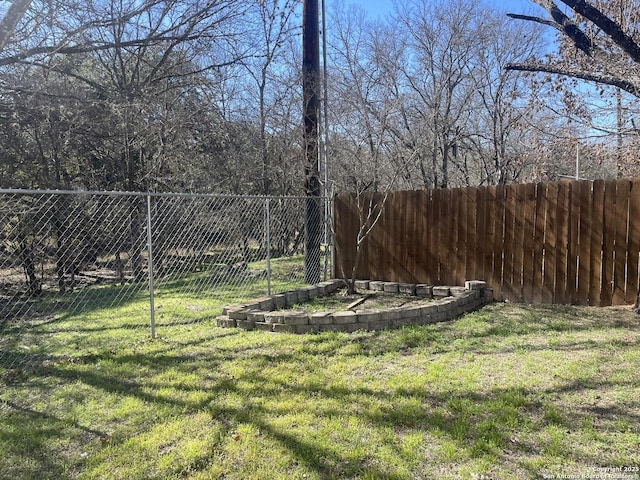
267, 236
329, 253
150, 269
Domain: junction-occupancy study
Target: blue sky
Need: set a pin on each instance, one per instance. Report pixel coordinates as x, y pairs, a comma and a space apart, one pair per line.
382, 7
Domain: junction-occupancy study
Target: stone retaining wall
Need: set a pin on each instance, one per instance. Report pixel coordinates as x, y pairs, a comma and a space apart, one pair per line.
268, 313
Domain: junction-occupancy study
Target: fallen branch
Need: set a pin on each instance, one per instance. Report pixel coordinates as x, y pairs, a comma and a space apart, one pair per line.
358, 302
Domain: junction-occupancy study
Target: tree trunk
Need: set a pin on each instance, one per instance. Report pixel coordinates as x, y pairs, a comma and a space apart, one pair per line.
11, 19
26, 256
136, 238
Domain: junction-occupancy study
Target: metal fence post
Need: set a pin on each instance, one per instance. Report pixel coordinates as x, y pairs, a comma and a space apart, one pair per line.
267, 236
325, 245
152, 315
329, 254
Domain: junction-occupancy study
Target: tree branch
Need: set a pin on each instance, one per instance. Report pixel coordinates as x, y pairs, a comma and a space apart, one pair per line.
169, 33
11, 19
614, 81
86, 48
529, 18
608, 26
562, 23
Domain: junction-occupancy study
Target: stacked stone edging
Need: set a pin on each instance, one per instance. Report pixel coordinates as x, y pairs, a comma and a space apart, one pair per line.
266, 313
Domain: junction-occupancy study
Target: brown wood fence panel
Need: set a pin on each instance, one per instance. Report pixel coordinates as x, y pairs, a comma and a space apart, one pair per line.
386, 271
459, 215
473, 252
493, 236
498, 241
447, 237
549, 251
584, 275
449, 247
621, 241
434, 253
518, 242
562, 243
507, 265
573, 254
528, 245
481, 233
411, 205
344, 224
398, 245
569, 242
538, 252
608, 241
634, 242
377, 243
597, 219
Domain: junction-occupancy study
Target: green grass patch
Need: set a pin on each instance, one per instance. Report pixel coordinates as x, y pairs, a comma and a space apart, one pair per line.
507, 392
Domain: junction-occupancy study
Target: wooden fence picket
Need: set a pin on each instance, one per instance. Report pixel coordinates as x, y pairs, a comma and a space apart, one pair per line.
634, 242
562, 243
621, 241
569, 242
584, 275
573, 240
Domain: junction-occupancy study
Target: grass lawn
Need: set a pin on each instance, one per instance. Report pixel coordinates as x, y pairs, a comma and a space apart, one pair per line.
507, 392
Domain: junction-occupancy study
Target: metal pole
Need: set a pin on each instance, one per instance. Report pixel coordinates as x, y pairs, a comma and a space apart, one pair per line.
325, 143
267, 235
150, 269
332, 212
577, 161
310, 102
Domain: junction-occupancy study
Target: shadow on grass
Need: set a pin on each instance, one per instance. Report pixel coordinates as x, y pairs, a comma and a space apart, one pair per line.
37, 327
28, 313
20, 313
481, 424
45, 417
491, 324
31, 443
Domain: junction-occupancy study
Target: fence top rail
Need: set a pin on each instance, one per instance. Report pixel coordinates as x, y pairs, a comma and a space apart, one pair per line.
22, 191
564, 179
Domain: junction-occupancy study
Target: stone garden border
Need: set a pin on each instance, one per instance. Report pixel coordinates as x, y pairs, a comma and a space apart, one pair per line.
266, 314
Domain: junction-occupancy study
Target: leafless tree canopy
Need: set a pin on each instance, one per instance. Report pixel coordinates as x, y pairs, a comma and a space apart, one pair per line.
205, 95
606, 36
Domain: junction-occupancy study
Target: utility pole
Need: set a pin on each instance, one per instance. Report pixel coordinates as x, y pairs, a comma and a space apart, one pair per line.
324, 162
11, 19
311, 104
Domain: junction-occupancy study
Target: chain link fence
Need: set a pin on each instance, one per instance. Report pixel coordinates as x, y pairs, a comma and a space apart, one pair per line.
86, 262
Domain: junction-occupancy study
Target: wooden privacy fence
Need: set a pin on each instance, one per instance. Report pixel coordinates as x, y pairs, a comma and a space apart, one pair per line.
572, 242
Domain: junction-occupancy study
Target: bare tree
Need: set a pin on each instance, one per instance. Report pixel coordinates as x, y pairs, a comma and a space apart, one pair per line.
500, 125
273, 29
427, 96
444, 39
11, 18
363, 105
603, 50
